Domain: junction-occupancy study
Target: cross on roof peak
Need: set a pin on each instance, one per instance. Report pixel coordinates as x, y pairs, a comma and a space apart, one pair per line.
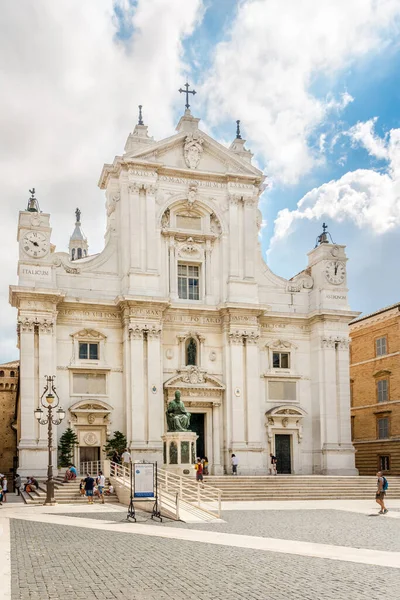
187, 92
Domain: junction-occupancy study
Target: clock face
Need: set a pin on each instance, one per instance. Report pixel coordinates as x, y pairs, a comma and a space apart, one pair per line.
35, 244
335, 272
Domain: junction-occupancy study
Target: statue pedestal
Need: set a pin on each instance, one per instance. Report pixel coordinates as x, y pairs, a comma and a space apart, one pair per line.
180, 452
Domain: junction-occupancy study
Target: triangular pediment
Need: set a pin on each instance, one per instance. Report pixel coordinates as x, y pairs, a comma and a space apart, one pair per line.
193, 377
195, 152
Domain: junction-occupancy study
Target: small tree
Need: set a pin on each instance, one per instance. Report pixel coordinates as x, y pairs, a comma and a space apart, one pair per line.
68, 441
116, 443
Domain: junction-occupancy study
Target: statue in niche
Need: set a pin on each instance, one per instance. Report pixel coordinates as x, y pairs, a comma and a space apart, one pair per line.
191, 352
178, 419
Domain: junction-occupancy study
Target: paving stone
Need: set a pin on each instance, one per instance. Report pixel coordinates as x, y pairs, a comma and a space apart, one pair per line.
121, 565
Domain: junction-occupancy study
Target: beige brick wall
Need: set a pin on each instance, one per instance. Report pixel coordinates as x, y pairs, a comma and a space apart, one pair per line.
8, 436
365, 371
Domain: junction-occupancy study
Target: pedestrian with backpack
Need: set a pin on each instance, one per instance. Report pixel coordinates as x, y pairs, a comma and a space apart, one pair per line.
382, 486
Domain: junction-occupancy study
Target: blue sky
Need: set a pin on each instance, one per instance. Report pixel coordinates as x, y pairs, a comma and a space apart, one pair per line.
315, 86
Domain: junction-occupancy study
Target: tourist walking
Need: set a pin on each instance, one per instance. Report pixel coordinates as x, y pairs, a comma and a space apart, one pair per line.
82, 487
101, 482
205, 466
116, 457
382, 486
5, 488
89, 485
272, 468
18, 483
126, 458
235, 462
199, 470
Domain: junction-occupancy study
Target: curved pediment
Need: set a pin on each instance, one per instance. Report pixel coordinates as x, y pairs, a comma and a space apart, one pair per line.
193, 377
91, 405
90, 334
286, 411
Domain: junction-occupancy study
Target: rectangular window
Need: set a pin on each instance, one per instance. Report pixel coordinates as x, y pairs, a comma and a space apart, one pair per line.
282, 390
381, 346
383, 428
382, 389
89, 383
187, 222
188, 282
384, 463
280, 360
88, 351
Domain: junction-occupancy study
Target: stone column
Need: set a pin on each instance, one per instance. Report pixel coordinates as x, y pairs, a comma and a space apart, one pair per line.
253, 404
26, 328
151, 230
46, 356
125, 245
343, 382
234, 255
135, 227
155, 393
217, 468
207, 264
138, 408
238, 417
250, 237
173, 276
127, 381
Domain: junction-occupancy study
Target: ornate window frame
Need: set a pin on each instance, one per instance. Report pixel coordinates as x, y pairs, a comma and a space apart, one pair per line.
283, 346
88, 336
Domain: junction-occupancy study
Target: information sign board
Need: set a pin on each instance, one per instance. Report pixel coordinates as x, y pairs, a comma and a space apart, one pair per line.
143, 480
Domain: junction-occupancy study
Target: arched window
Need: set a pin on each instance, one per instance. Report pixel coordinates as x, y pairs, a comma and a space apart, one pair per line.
12, 373
191, 352
79, 252
73, 254
1, 373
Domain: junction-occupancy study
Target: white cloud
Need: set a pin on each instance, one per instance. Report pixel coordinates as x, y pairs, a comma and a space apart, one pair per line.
263, 72
365, 197
70, 91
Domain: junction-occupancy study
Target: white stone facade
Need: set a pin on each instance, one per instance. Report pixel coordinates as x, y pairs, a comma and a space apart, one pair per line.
271, 355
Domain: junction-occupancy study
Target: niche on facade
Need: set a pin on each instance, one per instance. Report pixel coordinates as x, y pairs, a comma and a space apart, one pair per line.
191, 347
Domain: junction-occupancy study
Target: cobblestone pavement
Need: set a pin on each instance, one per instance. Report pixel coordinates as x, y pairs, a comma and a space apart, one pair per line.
58, 562
335, 527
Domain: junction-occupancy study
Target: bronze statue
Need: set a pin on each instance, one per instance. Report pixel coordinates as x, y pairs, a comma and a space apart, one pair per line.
178, 419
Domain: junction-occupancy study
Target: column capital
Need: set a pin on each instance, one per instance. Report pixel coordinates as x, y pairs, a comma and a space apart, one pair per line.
332, 341
134, 188
236, 337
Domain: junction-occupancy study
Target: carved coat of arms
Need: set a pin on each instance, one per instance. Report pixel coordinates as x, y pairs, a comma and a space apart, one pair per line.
192, 150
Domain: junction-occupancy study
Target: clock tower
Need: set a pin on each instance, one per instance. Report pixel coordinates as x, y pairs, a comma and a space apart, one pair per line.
34, 267
330, 315
327, 266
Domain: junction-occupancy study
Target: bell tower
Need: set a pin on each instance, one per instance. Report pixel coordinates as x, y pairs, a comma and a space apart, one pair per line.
78, 245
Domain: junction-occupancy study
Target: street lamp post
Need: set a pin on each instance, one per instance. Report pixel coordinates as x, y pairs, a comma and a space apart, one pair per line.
49, 400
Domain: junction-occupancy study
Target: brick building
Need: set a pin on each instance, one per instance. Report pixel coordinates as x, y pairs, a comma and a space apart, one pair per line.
8, 400
375, 390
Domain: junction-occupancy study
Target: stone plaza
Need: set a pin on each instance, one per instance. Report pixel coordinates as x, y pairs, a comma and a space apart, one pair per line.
335, 550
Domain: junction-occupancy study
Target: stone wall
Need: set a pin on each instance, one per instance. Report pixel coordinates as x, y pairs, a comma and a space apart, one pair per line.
8, 395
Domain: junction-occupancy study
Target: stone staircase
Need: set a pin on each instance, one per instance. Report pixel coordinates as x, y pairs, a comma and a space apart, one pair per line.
65, 493
299, 487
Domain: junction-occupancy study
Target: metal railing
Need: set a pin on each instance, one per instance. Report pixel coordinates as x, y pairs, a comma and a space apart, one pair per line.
92, 467
179, 489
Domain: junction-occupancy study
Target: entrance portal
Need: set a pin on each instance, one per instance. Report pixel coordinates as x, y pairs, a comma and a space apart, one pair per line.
197, 425
283, 453
89, 454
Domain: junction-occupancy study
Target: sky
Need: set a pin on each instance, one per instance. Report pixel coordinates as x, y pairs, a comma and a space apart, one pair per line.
315, 85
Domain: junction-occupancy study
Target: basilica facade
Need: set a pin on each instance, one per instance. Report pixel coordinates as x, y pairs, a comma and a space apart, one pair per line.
181, 299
